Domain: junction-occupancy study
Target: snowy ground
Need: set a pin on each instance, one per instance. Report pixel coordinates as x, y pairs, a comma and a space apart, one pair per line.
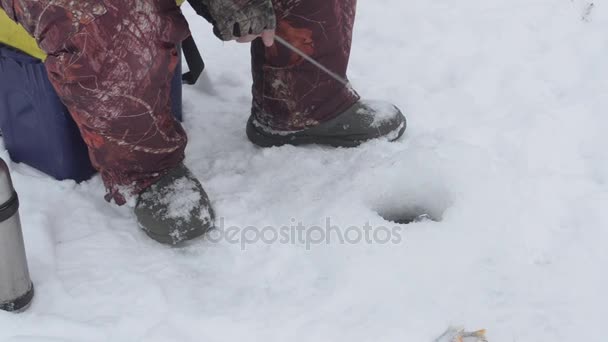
507, 144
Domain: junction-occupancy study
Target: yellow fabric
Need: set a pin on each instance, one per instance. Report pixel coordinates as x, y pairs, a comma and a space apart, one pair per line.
15, 35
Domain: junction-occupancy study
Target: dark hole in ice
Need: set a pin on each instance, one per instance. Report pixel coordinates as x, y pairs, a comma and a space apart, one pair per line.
410, 215
411, 203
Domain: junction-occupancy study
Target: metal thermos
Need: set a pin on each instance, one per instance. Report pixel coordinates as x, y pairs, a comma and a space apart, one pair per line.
16, 289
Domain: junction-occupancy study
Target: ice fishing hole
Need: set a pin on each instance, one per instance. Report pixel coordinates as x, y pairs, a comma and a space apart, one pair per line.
411, 215
417, 206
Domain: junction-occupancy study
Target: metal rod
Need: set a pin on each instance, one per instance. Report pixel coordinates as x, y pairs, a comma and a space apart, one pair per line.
313, 61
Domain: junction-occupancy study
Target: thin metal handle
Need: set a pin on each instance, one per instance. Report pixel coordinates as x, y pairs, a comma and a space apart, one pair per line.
313, 61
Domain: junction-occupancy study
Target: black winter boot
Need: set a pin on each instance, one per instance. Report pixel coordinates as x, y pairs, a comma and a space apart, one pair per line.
175, 209
364, 121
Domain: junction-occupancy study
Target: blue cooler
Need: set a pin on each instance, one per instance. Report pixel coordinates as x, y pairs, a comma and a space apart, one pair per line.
37, 128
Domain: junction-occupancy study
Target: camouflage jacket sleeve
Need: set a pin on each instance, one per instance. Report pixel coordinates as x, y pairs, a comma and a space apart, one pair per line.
236, 18
7, 6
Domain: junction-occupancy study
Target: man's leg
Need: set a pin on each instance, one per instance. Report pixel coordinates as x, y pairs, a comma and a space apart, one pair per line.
111, 62
288, 92
294, 101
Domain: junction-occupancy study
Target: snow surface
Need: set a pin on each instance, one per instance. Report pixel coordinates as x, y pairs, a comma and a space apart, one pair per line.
507, 147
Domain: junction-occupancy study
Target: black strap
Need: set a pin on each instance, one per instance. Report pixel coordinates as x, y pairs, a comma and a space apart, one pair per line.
9, 208
201, 9
194, 60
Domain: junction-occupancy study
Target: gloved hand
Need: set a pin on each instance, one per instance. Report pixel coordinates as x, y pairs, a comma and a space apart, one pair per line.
234, 19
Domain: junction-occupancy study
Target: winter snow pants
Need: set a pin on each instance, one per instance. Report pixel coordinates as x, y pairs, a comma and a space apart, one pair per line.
111, 63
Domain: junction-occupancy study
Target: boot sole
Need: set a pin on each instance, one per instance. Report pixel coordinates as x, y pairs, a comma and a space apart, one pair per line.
168, 239
264, 139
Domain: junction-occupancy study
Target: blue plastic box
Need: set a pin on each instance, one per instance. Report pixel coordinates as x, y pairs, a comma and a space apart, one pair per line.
37, 128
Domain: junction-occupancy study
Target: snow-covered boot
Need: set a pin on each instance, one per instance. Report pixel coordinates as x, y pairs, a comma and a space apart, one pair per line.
364, 121
175, 209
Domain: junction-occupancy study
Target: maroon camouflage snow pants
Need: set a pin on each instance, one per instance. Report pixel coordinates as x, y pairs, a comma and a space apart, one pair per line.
111, 63
288, 92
